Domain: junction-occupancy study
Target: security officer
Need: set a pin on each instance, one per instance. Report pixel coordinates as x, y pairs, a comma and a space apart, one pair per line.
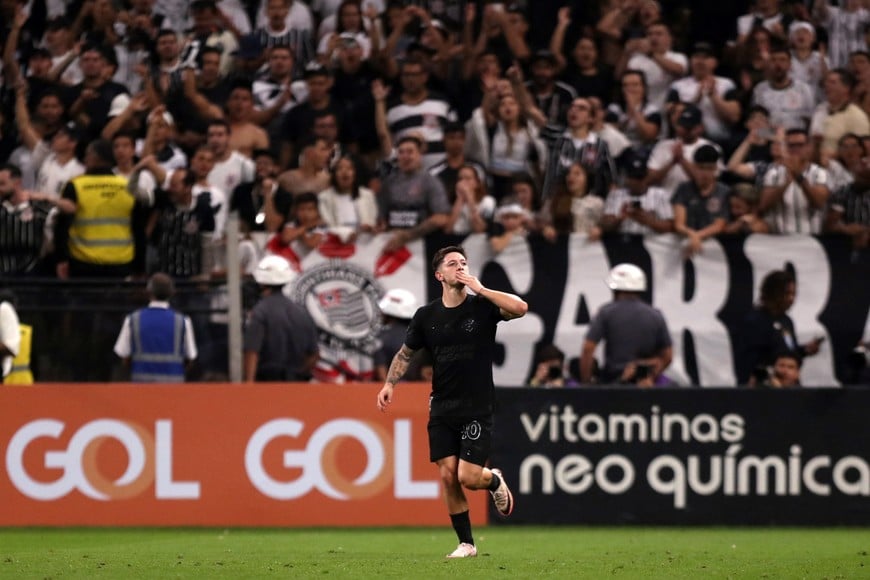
637, 341
97, 239
21, 373
157, 342
397, 307
280, 335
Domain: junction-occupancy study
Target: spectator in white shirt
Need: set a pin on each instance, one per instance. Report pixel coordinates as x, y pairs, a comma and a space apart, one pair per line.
795, 190
790, 102
715, 96
660, 65
231, 168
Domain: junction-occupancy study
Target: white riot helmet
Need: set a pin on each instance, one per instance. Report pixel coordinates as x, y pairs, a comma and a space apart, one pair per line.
398, 303
626, 278
274, 271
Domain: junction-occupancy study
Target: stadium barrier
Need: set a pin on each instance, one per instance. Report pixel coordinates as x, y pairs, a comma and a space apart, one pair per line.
704, 301
679, 456
322, 455
218, 455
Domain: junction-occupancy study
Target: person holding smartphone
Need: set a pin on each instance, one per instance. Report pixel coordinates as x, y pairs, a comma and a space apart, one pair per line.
768, 330
637, 208
550, 369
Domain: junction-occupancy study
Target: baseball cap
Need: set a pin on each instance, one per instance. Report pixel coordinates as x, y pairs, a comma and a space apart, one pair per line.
545, 55
706, 154
510, 209
690, 117
71, 130
438, 24
348, 39
704, 48
635, 167
800, 25
119, 103
315, 69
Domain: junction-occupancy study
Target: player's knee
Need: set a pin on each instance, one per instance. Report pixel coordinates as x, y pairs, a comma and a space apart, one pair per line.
469, 479
449, 478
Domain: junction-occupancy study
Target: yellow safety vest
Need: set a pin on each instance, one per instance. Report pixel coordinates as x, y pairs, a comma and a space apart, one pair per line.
21, 374
100, 232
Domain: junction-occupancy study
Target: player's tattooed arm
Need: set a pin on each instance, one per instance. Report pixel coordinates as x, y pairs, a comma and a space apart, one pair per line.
399, 366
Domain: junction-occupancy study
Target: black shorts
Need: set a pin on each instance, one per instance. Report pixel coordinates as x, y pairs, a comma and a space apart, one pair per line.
468, 438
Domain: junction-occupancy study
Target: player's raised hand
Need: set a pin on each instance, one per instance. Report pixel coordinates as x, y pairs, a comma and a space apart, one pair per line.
470, 281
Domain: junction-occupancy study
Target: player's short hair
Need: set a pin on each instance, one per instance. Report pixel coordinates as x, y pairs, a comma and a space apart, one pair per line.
439, 256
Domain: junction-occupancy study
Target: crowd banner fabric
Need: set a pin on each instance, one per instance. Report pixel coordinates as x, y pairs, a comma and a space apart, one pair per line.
218, 455
685, 456
704, 299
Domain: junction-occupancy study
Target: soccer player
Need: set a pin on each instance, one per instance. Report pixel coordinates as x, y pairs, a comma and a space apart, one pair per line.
459, 331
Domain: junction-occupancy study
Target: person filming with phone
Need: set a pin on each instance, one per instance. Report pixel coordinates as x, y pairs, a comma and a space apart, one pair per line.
637, 208
550, 369
768, 331
784, 374
637, 343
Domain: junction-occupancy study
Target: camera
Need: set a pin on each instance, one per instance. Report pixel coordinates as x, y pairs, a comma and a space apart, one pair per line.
642, 372
635, 204
766, 133
554, 372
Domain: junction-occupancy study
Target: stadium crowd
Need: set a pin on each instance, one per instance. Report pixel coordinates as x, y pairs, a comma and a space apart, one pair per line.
130, 129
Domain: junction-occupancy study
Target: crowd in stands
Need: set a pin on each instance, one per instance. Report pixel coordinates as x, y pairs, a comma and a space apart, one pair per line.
130, 129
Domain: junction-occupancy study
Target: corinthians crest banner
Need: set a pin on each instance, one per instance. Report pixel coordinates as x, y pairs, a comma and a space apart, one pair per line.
704, 300
340, 285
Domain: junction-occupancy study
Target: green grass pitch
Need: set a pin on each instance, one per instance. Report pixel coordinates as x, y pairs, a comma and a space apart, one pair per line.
508, 552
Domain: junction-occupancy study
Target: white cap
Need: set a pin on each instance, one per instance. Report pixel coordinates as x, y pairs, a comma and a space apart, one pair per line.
274, 271
398, 303
626, 278
511, 209
118, 105
801, 25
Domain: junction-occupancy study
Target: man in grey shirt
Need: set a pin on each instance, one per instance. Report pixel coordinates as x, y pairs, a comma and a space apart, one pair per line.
412, 203
701, 204
280, 336
637, 344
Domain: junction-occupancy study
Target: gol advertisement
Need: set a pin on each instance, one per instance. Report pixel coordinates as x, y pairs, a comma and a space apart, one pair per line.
218, 455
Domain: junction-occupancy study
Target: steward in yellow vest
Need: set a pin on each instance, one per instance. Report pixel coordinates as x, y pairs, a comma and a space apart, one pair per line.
98, 238
21, 373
